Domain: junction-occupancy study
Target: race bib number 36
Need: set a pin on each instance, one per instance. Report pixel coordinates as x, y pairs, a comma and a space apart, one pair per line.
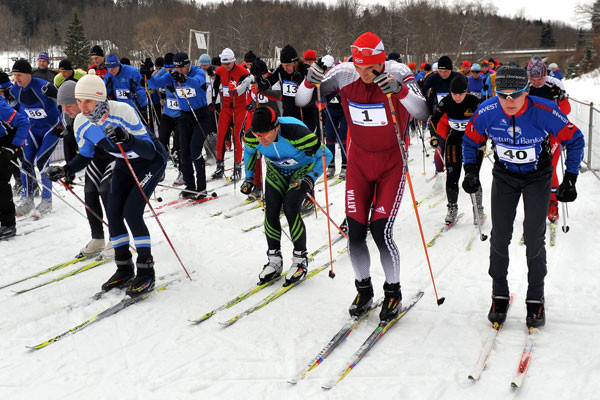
187, 92
36, 113
368, 114
289, 88
515, 155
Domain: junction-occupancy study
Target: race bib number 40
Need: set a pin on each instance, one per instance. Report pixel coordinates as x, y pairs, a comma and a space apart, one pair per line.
368, 114
172, 104
289, 88
515, 155
36, 113
122, 94
187, 92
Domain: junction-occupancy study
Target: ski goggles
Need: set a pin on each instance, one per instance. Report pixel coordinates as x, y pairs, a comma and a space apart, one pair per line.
365, 51
514, 95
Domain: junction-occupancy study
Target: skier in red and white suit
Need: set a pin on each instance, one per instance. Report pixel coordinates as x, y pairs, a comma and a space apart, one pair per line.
375, 175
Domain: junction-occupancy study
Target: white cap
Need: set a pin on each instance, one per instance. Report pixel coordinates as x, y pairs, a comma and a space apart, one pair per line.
328, 60
90, 86
227, 56
553, 66
434, 67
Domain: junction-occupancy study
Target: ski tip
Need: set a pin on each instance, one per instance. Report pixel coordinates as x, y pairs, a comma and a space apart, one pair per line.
440, 301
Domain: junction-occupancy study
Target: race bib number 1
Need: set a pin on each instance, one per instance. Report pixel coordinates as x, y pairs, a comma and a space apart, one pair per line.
225, 91
290, 88
515, 155
368, 114
36, 113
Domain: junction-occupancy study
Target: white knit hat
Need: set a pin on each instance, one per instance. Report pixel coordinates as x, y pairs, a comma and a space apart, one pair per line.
91, 87
227, 56
328, 61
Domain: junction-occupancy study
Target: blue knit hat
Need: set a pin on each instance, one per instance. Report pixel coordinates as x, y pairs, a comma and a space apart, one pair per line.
204, 59
112, 61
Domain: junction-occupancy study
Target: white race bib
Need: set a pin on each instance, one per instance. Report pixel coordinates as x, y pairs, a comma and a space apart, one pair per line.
440, 96
188, 92
260, 98
289, 88
458, 124
36, 113
122, 94
225, 91
172, 104
515, 155
335, 100
368, 114
286, 162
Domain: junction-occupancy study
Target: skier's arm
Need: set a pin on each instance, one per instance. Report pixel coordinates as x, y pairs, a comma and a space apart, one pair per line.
473, 139
18, 121
161, 80
250, 153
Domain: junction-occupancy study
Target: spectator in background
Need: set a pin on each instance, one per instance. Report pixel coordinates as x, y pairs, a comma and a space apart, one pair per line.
465, 68
67, 73
310, 56
413, 67
555, 71
42, 71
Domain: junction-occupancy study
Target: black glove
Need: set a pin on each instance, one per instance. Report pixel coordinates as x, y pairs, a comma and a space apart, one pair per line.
116, 134
55, 173
485, 87
315, 74
145, 71
306, 184
471, 182
247, 186
59, 131
566, 191
177, 77
388, 83
557, 93
433, 141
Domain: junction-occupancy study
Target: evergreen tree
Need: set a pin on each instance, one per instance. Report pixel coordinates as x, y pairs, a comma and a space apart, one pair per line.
595, 17
547, 36
580, 38
77, 47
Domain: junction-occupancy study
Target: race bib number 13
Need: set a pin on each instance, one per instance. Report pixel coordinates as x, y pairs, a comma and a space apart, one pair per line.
368, 114
515, 155
289, 88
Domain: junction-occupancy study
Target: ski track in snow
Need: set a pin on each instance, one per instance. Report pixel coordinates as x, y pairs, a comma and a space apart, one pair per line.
151, 351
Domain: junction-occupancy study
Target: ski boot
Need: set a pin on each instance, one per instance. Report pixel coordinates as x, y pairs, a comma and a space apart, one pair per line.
536, 313
94, 246
25, 206
122, 277
202, 194
144, 280
331, 170
45, 206
363, 299
297, 271
257, 193
237, 172
553, 211
392, 302
17, 189
307, 206
220, 171
108, 252
343, 172
498, 310
188, 192
179, 180
273, 268
7, 232
452, 215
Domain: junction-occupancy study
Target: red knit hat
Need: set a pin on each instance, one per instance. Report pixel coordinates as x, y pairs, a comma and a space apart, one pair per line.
310, 55
423, 65
412, 66
465, 63
368, 50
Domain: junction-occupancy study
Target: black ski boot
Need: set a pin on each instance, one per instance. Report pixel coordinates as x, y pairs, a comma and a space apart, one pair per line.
392, 302
363, 299
220, 171
498, 310
188, 193
7, 232
202, 194
122, 277
144, 280
536, 313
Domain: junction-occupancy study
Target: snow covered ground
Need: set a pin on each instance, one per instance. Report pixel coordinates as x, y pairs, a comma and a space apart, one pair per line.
151, 351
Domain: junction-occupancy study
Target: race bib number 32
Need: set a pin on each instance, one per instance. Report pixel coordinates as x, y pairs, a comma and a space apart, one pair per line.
515, 155
368, 114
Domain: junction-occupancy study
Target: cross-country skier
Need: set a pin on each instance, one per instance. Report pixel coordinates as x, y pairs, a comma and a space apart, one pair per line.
37, 99
42, 71
294, 163
108, 124
520, 127
14, 129
375, 174
99, 66
124, 83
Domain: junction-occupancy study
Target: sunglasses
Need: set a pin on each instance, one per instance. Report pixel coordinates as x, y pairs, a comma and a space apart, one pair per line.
365, 51
514, 95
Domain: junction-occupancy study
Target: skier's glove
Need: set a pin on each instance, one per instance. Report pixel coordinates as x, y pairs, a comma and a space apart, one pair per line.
55, 173
247, 186
471, 182
177, 77
315, 74
388, 84
433, 141
59, 131
566, 191
306, 184
116, 134
557, 93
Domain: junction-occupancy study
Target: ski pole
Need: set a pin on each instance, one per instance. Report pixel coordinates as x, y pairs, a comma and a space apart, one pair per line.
320, 107
482, 236
337, 135
83, 202
565, 210
151, 208
213, 194
195, 117
325, 212
440, 300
